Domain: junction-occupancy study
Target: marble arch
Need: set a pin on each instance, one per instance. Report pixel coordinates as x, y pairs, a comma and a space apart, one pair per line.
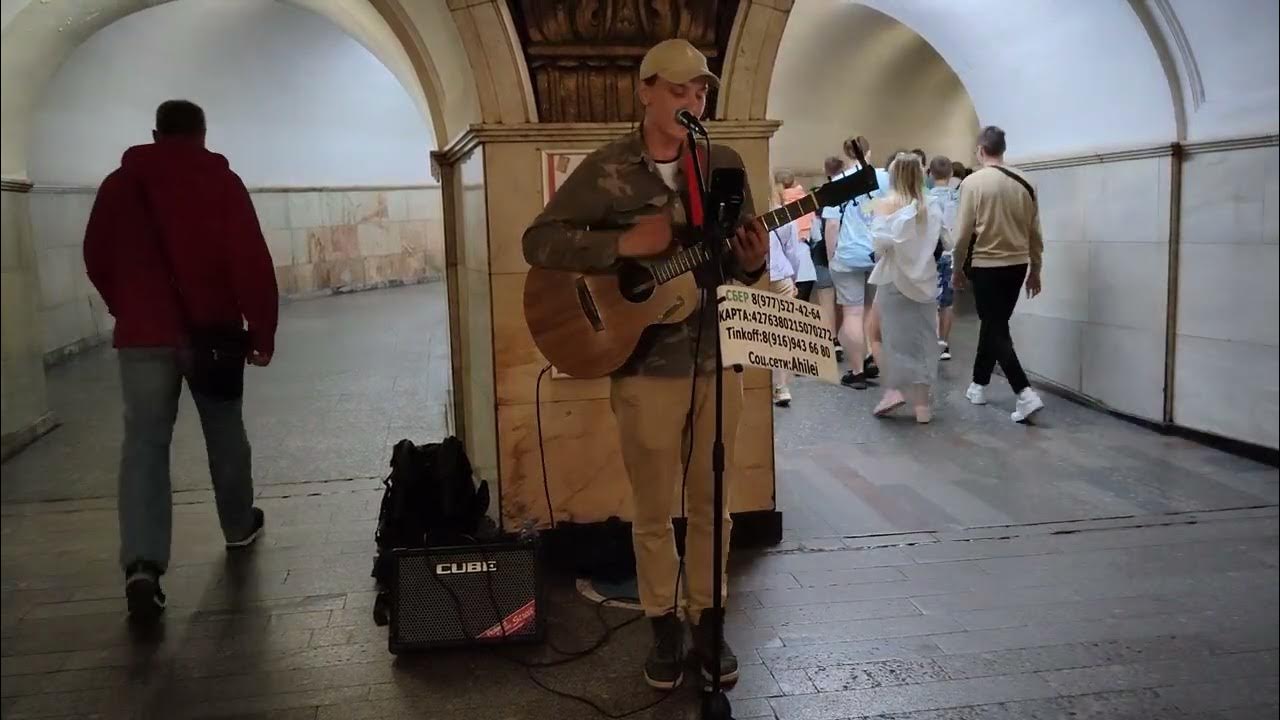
449, 59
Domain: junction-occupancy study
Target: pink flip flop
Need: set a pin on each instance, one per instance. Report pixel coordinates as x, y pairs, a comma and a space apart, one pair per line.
883, 410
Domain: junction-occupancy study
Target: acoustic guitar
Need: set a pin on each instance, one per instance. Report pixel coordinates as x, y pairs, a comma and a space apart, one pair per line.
588, 324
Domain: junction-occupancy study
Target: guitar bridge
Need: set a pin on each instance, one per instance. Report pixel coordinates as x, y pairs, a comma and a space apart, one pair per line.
588, 304
675, 307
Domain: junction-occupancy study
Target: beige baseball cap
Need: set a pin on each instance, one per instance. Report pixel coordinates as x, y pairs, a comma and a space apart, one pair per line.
677, 61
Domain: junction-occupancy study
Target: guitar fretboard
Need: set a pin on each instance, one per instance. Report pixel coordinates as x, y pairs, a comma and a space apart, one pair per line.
691, 257
790, 212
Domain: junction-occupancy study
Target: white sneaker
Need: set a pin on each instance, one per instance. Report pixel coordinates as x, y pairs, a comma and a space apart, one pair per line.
782, 397
977, 394
1028, 404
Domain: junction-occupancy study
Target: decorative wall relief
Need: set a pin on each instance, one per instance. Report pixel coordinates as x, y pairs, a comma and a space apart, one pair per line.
583, 56
321, 241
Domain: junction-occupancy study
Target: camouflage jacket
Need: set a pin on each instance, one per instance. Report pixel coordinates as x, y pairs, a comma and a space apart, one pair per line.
579, 230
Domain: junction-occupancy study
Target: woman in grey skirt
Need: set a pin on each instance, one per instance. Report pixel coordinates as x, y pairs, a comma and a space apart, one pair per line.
904, 233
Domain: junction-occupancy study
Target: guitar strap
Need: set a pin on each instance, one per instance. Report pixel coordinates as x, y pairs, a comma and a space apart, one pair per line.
691, 186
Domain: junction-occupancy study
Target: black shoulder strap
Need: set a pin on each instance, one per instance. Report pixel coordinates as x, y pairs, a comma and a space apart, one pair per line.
973, 239
1018, 178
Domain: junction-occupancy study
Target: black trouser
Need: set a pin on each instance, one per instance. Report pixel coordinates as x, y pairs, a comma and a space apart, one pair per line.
804, 290
995, 292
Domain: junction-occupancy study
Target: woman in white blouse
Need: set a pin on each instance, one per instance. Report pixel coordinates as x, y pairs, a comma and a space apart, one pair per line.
904, 233
789, 265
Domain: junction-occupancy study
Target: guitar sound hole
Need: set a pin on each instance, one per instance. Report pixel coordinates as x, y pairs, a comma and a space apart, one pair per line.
635, 282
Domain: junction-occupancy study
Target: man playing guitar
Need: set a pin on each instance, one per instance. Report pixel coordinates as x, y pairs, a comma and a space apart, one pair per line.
628, 199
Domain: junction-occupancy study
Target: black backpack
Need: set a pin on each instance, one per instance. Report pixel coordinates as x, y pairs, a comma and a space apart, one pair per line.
430, 500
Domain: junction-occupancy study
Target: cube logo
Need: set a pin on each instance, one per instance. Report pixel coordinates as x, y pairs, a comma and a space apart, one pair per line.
464, 568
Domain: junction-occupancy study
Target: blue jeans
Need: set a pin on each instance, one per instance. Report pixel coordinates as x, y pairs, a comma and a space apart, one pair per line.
946, 294
152, 385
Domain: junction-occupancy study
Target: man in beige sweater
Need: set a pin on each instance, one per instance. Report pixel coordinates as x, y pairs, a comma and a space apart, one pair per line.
998, 250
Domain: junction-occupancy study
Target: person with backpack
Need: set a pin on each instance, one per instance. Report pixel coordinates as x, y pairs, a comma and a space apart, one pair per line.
999, 250
850, 261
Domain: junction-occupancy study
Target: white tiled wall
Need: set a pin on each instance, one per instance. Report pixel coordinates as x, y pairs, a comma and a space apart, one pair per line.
1228, 389
1050, 347
1064, 276
1228, 291
22, 385
71, 311
1124, 367
1098, 328
386, 228
1225, 198
1227, 359
304, 208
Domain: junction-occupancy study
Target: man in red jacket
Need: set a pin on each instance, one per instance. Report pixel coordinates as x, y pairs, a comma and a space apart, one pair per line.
173, 246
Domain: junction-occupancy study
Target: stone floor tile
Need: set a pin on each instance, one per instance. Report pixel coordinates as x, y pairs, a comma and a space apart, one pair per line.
922, 576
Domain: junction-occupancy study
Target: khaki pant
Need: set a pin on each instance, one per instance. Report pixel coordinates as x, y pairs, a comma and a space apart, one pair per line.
652, 415
786, 288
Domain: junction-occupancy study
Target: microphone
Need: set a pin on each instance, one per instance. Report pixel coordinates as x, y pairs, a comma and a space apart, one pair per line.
727, 195
689, 122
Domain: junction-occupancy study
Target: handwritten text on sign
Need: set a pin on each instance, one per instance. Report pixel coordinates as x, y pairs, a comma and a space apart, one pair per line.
763, 329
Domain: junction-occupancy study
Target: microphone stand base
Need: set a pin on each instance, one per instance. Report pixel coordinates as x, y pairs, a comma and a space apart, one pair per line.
715, 706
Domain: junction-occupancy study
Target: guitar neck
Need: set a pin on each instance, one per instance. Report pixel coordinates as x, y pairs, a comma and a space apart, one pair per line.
692, 257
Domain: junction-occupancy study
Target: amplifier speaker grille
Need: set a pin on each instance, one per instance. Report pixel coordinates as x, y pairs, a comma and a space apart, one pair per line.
453, 596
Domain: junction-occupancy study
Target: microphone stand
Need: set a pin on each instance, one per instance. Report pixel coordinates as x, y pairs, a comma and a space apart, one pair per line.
715, 705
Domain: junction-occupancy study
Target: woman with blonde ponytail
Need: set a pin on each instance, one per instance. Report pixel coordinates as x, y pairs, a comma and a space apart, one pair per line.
904, 232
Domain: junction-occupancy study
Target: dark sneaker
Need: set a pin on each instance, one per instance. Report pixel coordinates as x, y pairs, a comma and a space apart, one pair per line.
142, 591
870, 369
946, 353
703, 642
664, 668
857, 381
258, 520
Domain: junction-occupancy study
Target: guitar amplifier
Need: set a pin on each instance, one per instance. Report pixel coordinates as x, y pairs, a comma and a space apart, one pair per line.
465, 595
